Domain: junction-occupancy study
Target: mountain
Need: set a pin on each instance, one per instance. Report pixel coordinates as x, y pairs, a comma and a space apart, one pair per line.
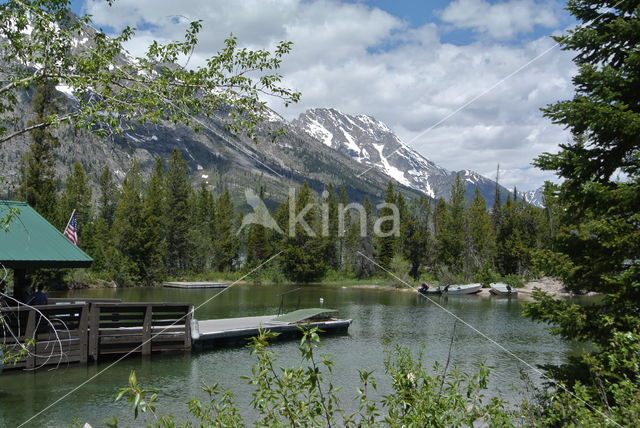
372, 144
214, 155
534, 197
322, 146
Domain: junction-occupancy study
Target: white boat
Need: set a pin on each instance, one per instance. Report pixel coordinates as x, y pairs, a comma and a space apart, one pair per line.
502, 289
462, 289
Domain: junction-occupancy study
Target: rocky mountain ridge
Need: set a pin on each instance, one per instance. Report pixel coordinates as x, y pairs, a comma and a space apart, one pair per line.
322, 146
373, 144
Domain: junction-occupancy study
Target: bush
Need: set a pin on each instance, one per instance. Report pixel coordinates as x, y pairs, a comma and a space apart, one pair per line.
269, 274
301, 396
486, 276
400, 268
516, 281
447, 277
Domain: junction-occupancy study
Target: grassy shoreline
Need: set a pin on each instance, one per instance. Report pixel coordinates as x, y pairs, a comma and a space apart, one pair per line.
87, 279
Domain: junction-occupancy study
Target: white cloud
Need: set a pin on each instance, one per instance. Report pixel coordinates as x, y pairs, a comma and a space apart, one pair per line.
501, 20
363, 60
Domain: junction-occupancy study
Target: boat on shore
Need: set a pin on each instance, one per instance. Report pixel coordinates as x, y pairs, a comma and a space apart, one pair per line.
502, 289
451, 289
425, 289
463, 288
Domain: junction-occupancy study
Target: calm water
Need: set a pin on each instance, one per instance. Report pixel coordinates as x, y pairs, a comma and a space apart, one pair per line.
402, 318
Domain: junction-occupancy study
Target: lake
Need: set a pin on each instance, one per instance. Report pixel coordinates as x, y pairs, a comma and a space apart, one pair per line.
378, 315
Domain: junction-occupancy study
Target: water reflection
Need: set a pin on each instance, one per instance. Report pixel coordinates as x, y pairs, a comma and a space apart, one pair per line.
399, 317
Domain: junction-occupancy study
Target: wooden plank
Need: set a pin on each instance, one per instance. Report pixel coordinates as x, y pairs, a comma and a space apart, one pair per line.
146, 331
94, 331
187, 329
29, 333
110, 340
196, 285
84, 333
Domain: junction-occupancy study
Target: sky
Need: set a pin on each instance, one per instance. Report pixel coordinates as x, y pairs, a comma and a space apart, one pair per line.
462, 82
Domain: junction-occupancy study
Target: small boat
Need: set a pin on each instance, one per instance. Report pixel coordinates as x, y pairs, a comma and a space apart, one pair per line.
462, 289
431, 290
425, 289
502, 289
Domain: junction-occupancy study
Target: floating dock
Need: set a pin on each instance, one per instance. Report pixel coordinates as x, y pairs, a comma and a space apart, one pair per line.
229, 331
82, 330
195, 284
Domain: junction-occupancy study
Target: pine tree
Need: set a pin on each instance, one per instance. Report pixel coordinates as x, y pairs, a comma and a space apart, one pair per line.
343, 201
496, 210
303, 253
417, 236
178, 189
450, 236
154, 231
481, 242
202, 230
225, 243
362, 243
330, 222
38, 183
76, 195
128, 257
99, 230
108, 195
403, 210
259, 245
386, 245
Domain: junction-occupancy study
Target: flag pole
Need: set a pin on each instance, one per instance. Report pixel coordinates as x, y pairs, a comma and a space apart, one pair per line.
69, 222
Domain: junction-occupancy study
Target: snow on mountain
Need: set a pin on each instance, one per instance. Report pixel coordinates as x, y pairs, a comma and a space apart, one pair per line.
371, 143
374, 145
534, 197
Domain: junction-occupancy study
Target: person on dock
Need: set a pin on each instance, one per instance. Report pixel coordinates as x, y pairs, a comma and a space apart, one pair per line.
39, 297
4, 301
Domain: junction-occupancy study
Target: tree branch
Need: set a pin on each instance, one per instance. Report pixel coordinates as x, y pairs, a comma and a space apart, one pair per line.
36, 126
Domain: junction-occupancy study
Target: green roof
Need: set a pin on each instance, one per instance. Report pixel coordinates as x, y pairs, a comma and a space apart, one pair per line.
33, 242
303, 314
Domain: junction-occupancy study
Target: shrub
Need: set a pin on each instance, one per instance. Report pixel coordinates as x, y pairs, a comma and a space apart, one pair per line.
301, 396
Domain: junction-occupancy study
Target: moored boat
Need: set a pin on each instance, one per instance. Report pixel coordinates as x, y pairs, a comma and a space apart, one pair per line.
431, 290
502, 289
462, 288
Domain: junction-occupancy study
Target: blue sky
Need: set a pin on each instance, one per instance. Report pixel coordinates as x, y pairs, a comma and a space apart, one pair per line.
439, 73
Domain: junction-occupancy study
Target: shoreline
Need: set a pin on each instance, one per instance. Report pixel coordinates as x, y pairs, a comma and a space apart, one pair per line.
547, 284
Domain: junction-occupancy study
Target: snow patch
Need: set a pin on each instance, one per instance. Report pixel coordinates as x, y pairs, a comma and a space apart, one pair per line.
319, 132
65, 89
272, 116
137, 140
351, 143
390, 170
429, 190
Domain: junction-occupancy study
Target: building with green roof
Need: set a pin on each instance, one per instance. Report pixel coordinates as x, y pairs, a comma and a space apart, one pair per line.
31, 242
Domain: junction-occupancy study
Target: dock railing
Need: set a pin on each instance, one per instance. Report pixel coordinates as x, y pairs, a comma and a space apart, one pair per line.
119, 328
57, 333
72, 330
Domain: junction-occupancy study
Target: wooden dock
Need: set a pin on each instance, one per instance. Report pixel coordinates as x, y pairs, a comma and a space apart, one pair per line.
228, 331
83, 330
62, 341
195, 285
139, 327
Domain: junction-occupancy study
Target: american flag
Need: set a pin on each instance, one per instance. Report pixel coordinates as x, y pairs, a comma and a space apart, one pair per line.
71, 231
